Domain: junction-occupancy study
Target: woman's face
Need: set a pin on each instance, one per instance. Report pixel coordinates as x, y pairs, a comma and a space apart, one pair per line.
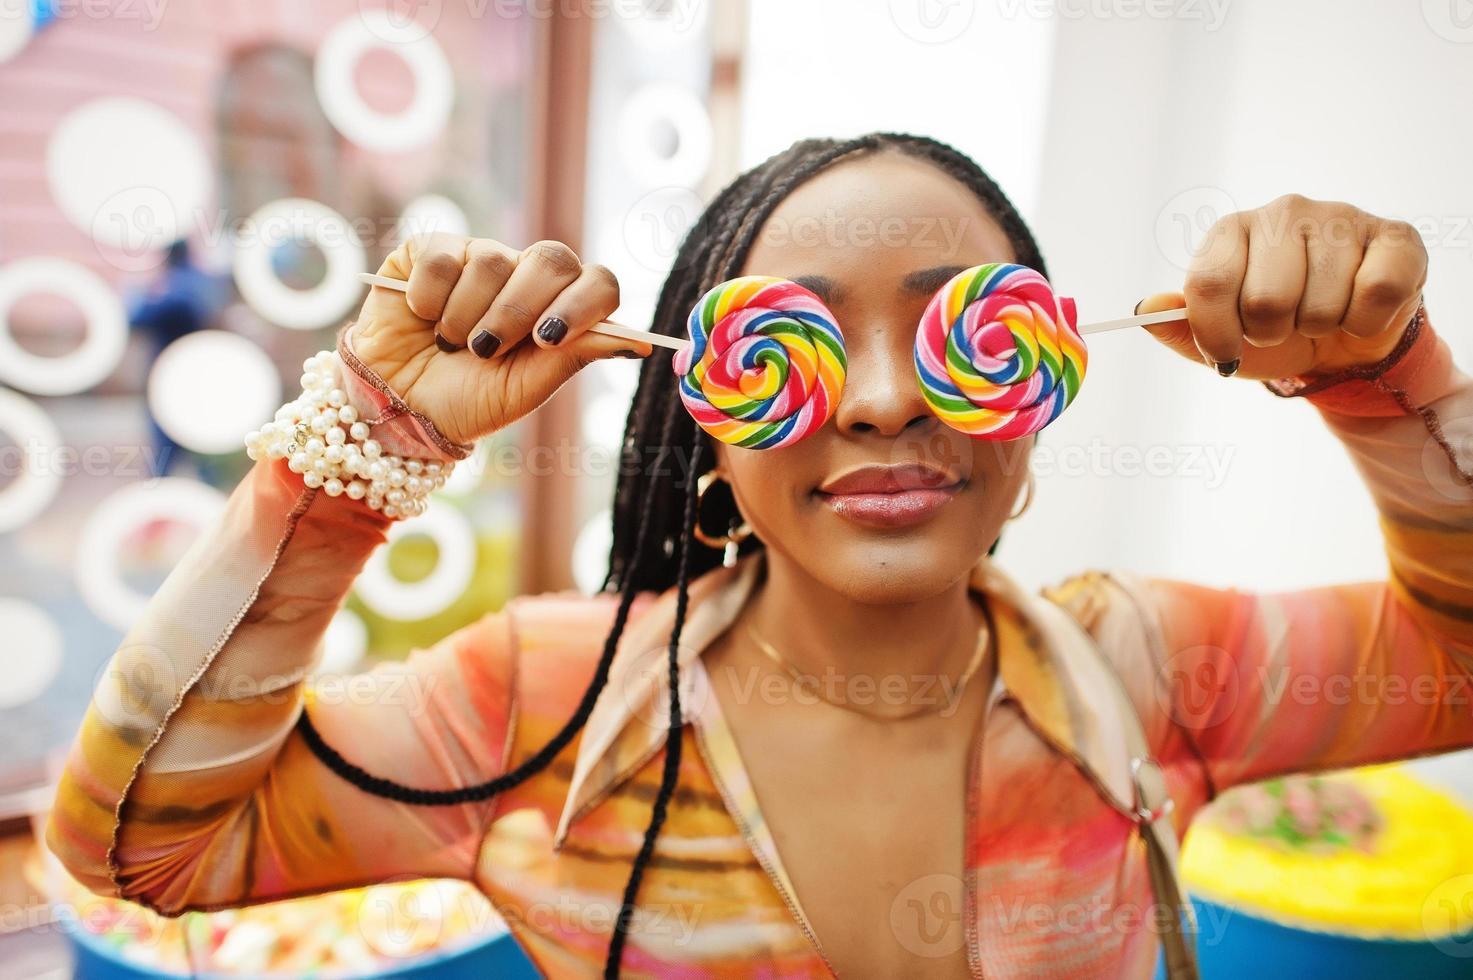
885, 503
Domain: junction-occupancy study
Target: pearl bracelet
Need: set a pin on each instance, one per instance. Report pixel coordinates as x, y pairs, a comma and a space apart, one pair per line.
322, 438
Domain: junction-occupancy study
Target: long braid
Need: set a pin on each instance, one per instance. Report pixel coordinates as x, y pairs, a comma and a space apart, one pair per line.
544, 756
671, 772
649, 551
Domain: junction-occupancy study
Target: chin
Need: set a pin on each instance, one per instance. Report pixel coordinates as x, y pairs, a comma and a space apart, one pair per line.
892, 573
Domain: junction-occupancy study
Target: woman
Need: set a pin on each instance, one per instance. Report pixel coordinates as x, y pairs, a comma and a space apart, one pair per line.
941, 794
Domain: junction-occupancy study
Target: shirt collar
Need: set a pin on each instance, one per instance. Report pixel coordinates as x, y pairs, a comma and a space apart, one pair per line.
1047, 665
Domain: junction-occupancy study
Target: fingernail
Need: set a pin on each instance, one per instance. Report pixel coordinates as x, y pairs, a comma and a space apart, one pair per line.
1137, 310
444, 344
1228, 368
552, 330
485, 343
626, 352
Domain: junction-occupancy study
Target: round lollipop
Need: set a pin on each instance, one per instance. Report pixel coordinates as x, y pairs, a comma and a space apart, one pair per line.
766, 364
998, 354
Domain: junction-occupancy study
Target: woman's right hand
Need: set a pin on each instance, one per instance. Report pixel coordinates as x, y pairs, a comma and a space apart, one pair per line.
485, 300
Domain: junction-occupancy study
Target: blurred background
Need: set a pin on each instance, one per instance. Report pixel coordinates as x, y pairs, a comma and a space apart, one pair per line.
188, 189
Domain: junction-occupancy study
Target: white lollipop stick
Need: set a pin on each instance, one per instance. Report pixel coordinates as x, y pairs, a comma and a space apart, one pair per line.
605, 327
1144, 319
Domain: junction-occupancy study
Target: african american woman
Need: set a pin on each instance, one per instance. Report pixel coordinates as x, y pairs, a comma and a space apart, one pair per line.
870, 717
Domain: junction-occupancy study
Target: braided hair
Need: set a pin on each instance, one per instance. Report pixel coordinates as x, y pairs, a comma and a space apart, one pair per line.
655, 511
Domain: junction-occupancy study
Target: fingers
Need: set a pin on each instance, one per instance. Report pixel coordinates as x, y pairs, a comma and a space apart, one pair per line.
592, 297
1175, 334
1334, 251
1272, 286
542, 271
544, 370
488, 266
1388, 282
1213, 285
437, 262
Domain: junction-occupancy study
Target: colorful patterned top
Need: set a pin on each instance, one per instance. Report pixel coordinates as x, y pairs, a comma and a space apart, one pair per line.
190, 787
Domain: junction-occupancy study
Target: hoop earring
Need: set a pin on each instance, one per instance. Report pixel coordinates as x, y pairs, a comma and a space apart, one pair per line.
732, 539
1027, 500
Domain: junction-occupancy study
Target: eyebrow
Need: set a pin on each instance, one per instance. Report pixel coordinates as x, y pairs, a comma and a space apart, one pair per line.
923, 282
927, 281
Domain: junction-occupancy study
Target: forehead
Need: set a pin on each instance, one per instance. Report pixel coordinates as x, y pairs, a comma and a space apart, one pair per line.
875, 219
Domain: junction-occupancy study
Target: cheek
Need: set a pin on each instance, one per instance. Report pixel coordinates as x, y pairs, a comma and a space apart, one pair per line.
771, 489
999, 473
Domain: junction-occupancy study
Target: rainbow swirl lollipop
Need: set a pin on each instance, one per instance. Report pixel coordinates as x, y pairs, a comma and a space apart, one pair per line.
998, 355
765, 365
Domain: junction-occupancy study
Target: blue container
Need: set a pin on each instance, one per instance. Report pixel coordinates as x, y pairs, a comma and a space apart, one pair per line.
1232, 944
498, 957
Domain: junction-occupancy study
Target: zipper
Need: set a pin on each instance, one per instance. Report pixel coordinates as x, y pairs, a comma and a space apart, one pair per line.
970, 901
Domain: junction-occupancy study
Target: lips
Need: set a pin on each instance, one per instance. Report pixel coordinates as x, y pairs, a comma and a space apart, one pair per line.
890, 496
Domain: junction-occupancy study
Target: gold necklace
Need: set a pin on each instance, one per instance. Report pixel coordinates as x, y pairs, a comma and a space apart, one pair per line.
810, 681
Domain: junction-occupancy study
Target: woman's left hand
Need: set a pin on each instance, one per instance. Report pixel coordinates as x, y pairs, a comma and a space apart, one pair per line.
1296, 287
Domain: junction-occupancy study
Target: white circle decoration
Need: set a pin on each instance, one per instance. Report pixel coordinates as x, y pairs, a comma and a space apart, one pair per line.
455, 542
99, 353
37, 476
430, 213
129, 173
296, 219
434, 84
346, 643
214, 368
98, 572
658, 106
37, 640
17, 24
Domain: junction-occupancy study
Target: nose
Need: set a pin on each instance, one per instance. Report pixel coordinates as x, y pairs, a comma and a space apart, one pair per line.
881, 392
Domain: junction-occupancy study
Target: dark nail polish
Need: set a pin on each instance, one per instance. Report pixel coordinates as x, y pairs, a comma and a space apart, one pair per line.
552, 330
1229, 368
484, 344
1137, 310
445, 345
626, 352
